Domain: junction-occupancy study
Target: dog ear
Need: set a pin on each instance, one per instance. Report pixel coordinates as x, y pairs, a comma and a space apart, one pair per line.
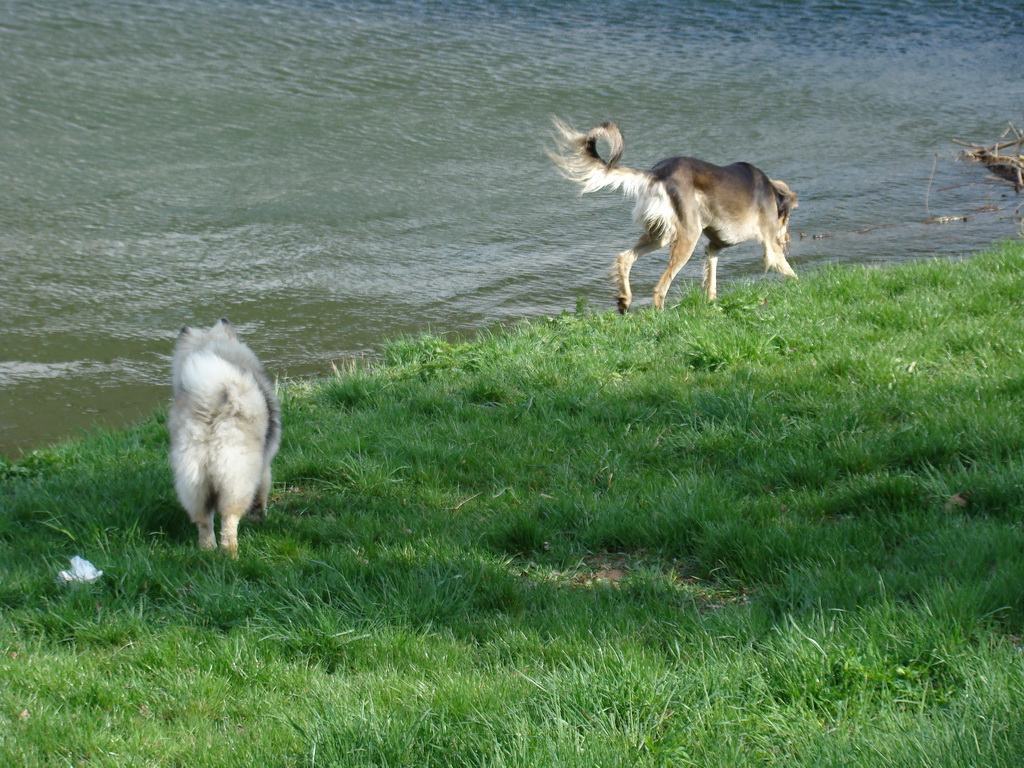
785, 200
225, 325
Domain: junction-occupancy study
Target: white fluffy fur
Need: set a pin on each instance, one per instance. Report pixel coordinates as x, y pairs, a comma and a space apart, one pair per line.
225, 430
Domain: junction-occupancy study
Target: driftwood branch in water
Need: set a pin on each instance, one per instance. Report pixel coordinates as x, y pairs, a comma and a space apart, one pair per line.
1009, 167
932, 220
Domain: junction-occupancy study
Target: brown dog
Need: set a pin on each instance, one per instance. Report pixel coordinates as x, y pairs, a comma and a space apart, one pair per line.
677, 200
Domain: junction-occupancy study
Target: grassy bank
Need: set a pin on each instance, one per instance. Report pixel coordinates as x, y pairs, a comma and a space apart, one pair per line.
781, 530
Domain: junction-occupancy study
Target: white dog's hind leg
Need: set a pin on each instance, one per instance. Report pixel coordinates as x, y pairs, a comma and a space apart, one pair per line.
200, 510
230, 514
199, 502
204, 522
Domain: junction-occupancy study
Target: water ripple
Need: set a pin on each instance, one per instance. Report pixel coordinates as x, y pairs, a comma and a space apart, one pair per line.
333, 173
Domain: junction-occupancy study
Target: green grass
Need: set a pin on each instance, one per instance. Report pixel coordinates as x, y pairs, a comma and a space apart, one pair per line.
782, 530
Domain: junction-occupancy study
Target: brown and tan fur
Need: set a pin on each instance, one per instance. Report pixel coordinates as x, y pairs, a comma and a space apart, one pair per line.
679, 199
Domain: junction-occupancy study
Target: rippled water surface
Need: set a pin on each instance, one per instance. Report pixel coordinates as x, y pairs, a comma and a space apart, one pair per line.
332, 174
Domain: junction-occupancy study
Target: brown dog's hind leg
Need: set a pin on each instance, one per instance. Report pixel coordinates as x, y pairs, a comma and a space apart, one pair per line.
682, 249
624, 262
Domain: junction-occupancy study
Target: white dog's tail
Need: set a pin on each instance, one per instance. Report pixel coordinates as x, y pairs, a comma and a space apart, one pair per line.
220, 391
578, 160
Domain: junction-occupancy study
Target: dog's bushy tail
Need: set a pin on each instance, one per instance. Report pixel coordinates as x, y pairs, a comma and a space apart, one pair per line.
218, 390
578, 160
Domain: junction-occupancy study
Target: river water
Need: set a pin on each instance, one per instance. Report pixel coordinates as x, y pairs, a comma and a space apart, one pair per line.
332, 174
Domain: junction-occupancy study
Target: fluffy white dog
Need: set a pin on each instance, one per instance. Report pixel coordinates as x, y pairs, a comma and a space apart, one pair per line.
225, 425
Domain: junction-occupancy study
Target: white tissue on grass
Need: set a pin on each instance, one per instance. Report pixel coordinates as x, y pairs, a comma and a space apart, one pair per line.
81, 570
